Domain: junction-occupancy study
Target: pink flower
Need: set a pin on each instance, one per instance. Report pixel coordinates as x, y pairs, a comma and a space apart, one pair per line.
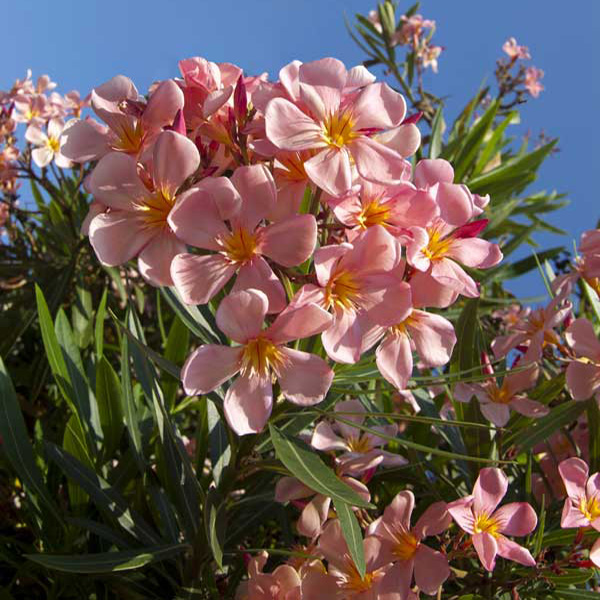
47, 145
429, 55
515, 51
583, 375
316, 511
532, 81
282, 584
353, 279
238, 248
477, 515
136, 222
395, 207
406, 329
261, 354
34, 110
361, 449
402, 544
582, 506
339, 125
534, 329
342, 578
496, 401
131, 124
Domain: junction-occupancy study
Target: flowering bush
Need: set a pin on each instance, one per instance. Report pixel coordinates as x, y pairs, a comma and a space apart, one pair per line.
313, 343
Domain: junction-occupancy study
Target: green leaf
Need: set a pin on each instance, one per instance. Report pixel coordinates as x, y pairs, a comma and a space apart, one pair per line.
215, 524
569, 576
19, 451
106, 498
176, 351
352, 535
107, 562
493, 144
437, 126
541, 429
74, 442
99, 326
108, 396
81, 317
220, 450
593, 416
574, 595
304, 463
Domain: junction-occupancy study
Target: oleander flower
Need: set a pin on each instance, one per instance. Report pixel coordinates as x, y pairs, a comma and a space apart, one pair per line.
583, 374
488, 525
47, 144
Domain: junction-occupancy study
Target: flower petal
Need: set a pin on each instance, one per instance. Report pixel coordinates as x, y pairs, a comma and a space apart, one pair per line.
175, 158
394, 360
325, 439
376, 162
486, 547
258, 275
516, 518
241, 314
305, 378
208, 367
378, 107
115, 181
257, 189
297, 322
430, 171
489, 489
574, 473
330, 170
154, 261
289, 128
291, 241
431, 569
512, 551
248, 404
435, 520
433, 336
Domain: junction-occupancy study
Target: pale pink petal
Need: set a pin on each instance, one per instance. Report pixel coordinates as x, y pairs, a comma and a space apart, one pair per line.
583, 379
42, 156
289, 128
394, 360
595, 553
342, 340
426, 291
429, 171
449, 273
461, 511
394, 305
304, 378
258, 275
574, 473
241, 314
512, 551
175, 158
118, 236
318, 585
399, 511
529, 408
572, 517
62, 161
256, 186
330, 170
215, 100
433, 336
324, 438
592, 487
397, 581
82, 141
489, 489
516, 518
350, 406
55, 127
290, 488
376, 162
475, 252
288, 77
378, 107
288, 579
375, 250
115, 181
519, 381
196, 219
248, 404
496, 413
486, 547
356, 464
328, 72
405, 140
96, 208
431, 569
503, 344
463, 392
162, 106
332, 544
297, 322
326, 259
34, 135
154, 261
208, 367
456, 205
435, 520
313, 517
581, 337
289, 199
291, 241
358, 76
199, 278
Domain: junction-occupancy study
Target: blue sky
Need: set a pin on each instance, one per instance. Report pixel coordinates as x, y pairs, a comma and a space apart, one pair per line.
82, 44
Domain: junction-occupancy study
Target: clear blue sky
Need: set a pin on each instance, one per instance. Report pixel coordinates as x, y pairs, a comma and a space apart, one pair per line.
81, 44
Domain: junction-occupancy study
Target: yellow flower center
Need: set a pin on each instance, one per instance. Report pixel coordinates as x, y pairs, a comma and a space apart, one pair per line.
31, 114
373, 213
402, 327
437, 246
239, 246
355, 583
590, 508
155, 208
486, 524
499, 395
129, 138
261, 356
292, 166
406, 545
53, 144
360, 444
338, 129
343, 291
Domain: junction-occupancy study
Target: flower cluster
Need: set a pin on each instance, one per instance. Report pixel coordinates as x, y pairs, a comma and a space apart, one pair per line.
525, 80
292, 206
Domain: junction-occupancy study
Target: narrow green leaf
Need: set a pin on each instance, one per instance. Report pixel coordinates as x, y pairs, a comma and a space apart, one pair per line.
593, 416
74, 442
352, 535
176, 351
569, 577
99, 326
574, 594
437, 126
19, 451
107, 562
215, 524
220, 450
108, 396
305, 464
